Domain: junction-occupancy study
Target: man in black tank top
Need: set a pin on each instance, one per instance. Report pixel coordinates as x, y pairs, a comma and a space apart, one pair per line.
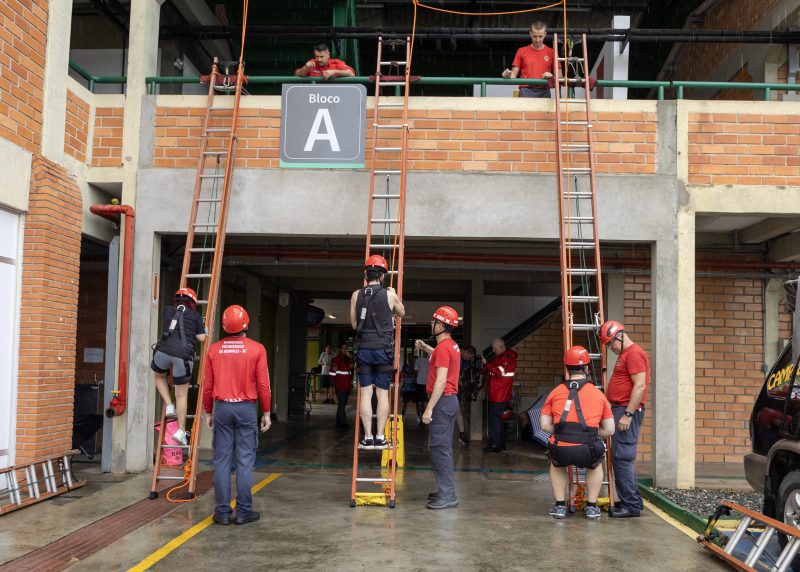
372, 312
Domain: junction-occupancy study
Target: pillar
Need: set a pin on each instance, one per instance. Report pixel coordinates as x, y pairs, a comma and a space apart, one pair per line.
56, 66
773, 294
614, 310
280, 379
673, 359
476, 337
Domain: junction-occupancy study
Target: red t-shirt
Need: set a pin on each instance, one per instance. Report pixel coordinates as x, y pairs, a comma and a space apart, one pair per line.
594, 406
633, 359
333, 64
236, 370
446, 354
532, 63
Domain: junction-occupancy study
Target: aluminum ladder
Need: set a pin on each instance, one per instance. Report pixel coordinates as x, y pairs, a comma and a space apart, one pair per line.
386, 236
36, 480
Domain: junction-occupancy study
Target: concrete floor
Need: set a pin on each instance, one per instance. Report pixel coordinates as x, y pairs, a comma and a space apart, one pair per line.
307, 522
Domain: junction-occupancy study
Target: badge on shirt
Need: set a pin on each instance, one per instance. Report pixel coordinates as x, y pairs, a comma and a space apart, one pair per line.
547, 59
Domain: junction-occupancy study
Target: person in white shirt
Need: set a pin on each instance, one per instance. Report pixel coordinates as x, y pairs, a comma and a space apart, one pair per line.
325, 359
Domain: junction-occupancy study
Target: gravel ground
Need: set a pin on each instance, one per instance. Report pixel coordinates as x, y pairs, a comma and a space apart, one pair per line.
704, 502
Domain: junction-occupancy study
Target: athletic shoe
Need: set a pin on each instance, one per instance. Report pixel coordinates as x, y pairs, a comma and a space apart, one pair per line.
380, 442
592, 512
463, 439
441, 503
249, 517
432, 496
558, 511
366, 443
170, 413
181, 436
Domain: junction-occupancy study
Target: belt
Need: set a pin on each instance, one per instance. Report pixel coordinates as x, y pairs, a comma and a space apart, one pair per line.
233, 400
621, 405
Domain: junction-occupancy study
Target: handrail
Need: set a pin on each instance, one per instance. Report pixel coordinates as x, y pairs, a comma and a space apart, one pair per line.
92, 80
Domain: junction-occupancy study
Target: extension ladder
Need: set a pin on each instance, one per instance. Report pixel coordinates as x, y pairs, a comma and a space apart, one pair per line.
579, 243
41, 479
386, 236
205, 240
756, 558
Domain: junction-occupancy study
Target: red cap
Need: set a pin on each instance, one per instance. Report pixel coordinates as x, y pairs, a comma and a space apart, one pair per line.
377, 261
576, 355
609, 330
235, 319
188, 293
446, 315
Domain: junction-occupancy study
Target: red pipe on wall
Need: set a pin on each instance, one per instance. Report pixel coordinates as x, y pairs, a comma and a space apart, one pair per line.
112, 212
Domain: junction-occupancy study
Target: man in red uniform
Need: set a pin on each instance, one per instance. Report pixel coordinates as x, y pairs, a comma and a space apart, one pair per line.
323, 65
627, 392
533, 62
236, 379
500, 372
342, 373
440, 413
578, 416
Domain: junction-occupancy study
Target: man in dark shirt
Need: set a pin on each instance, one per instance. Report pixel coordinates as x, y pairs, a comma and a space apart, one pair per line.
174, 353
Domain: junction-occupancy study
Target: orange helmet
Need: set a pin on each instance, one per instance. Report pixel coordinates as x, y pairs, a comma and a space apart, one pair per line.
187, 293
376, 262
576, 355
609, 330
235, 319
446, 315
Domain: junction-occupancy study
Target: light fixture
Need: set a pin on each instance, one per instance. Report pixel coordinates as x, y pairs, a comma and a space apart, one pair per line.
331, 316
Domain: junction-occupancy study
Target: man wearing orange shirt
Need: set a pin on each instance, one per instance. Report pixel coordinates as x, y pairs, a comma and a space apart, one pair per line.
578, 416
533, 62
236, 379
323, 65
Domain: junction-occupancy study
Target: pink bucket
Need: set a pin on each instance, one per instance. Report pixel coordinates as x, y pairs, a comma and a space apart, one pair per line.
170, 457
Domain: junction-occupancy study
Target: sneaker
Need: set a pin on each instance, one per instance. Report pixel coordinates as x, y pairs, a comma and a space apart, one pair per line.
592, 512
170, 413
440, 503
558, 511
463, 439
366, 443
380, 442
181, 437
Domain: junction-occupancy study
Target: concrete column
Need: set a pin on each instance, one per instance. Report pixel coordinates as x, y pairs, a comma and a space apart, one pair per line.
56, 67
614, 310
773, 294
254, 307
280, 380
673, 360
476, 337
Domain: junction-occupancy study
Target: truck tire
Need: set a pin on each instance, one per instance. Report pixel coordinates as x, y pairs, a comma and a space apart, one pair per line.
787, 509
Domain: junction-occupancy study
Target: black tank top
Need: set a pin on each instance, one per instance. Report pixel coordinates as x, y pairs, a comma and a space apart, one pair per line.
374, 318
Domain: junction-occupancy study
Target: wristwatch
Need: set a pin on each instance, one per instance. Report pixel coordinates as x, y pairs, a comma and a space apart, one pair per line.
628, 414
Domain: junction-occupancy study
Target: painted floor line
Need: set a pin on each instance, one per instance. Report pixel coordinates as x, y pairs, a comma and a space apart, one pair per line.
176, 542
667, 518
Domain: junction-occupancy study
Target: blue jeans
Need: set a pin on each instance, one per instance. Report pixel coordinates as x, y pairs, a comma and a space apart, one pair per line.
440, 443
623, 445
235, 430
540, 92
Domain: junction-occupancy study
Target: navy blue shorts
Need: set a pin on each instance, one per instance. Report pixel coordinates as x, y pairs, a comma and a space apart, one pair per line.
374, 368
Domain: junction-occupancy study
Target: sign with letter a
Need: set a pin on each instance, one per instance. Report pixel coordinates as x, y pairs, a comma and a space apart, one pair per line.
323, 126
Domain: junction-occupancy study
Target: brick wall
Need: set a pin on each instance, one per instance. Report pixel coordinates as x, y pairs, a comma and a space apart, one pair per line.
744, 149
540, 357
637, 320
92, 301
743, 75
23, 37
76, 133
48, 312
440, 139
107, 140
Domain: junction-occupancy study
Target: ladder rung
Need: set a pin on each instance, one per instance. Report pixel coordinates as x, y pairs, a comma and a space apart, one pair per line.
204, 224
387, 148
582, 271
575, 123
576, 170
583, 298
379, 126
581, 219
388, 83
160, 478
385, 221
393, 63
597, 356
201, 250
387, 172
215, 152
572, 100
578, 196
574, 145
571, 59
202, 302
221, 108
387, 197
209, 200
212, 176
383, 246
217, 129
390, 104
584, 327
174, 446
198, 276
368, 480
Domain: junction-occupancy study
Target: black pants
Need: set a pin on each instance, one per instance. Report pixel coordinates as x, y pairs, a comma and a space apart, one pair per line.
497, 431
341, 399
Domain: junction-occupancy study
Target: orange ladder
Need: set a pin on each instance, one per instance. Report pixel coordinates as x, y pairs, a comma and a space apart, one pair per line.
579, 242
205, 240
386, 236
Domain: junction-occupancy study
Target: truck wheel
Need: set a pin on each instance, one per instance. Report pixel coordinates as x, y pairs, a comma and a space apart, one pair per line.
788, 505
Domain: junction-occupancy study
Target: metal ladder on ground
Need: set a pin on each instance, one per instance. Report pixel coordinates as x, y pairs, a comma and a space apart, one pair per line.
579, 243
756, 558
202, 257
37, 480
386, 236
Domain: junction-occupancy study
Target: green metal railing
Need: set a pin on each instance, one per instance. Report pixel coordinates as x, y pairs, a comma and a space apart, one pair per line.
660, 87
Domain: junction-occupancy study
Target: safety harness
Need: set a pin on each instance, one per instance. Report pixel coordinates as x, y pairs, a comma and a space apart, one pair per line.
176, 325
590, 449
375, 327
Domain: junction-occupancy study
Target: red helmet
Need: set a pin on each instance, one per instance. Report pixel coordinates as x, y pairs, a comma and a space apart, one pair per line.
507, 415
235, 319
609, 330
377, 261
446, 315
576, 355
187, 293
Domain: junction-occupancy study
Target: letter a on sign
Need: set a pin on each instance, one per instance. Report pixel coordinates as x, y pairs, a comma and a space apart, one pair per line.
314, 135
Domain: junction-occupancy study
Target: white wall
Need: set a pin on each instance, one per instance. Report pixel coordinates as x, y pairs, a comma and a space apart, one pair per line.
9, 302
502, 313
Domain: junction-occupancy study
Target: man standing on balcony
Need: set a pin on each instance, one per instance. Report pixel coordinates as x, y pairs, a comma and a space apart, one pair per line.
323, 65
533, 62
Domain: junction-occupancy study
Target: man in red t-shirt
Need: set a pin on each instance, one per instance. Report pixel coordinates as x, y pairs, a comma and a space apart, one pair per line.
342, 374
442, 409
627, 392
500, 372
236, 378
578, 416
322, 65
533, 62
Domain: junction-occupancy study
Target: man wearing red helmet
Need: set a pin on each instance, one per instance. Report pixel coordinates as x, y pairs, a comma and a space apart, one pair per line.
627, 392
372, 312
174, 352
442, 409
500, 372
236, 379
578, 416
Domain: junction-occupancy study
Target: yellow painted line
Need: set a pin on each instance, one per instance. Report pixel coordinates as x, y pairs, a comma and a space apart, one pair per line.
664, 516
192, 532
